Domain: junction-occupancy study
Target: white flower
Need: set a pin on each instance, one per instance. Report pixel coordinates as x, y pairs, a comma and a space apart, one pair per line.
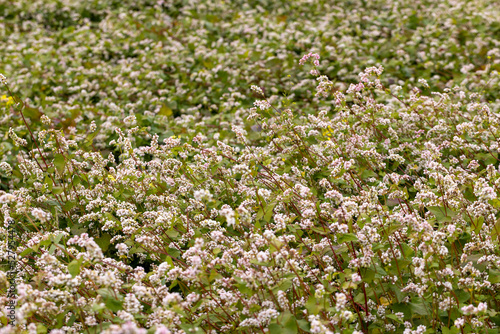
130, 120
7, 198
257, 90
262, 257
423, 82
161, 329
17, 141
341, 300
482, 307
5, 167
122, 249
41, 215
459, 322
45, 119
202, 194
262, 104
356, 278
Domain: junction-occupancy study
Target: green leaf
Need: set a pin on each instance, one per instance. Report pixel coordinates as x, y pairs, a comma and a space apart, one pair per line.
346, 237
58, 238
368, 275
494, 276
283, 286
275, 329
403, 308
45, 242
99, 328
304, 325
74, 267
393, 228
41, 329
103, 241
48, 182
242, 287
260, 213
479, 224
90, 139
349, 285
257, 225
68, 205
76, 180
26, 252
60, 163
495, 232
269, 211
312, 306
267, 162
174, 252
290, 326
408, 252
486, 158
71, 320
442, 213
52, 249
98, 307
113, 304
110, 300
319, 230
419, 308
462, 295
452, 330
60, 319
394, 317
32, 113
359, 298
172, 233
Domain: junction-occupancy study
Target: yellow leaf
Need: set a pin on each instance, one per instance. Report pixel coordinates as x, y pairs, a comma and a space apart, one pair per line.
165, 111
384, 301
8, 100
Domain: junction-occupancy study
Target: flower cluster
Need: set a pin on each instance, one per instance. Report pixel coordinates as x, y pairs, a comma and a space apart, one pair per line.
151, 193
304, 59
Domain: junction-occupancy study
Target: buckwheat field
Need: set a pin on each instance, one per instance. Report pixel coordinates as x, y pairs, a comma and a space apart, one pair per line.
257, 166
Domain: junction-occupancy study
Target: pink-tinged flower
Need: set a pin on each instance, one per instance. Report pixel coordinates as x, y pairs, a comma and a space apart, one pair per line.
262, 104
41, 215
304, 59
459, 322
161, 329
257, 90
482, 307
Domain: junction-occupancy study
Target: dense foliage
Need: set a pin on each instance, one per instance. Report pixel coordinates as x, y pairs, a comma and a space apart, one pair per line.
250, 166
